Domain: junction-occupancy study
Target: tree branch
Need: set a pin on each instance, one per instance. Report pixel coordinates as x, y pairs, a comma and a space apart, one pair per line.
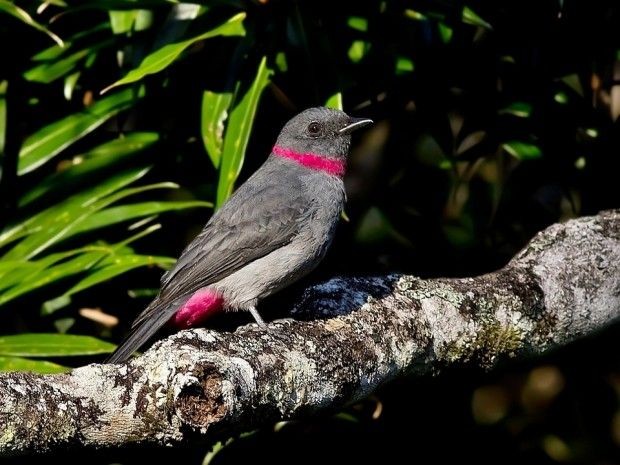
200, 383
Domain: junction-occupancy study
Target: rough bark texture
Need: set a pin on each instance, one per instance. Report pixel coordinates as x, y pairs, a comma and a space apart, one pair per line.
366, 331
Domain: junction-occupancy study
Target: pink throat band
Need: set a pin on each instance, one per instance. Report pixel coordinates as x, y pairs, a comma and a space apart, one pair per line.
312, 161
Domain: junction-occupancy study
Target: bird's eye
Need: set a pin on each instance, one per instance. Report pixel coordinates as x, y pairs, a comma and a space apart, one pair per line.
314, 128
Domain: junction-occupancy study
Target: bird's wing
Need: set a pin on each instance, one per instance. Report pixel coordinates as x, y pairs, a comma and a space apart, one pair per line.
258, 219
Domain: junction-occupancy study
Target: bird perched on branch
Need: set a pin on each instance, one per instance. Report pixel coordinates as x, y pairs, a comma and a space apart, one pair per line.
272, 231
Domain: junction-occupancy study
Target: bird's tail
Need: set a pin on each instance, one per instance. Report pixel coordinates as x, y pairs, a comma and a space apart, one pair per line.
152, 319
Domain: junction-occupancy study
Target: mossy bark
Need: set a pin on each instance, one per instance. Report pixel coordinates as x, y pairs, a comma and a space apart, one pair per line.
354, 335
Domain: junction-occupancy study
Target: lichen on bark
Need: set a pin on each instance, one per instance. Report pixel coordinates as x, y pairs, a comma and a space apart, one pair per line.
350, 336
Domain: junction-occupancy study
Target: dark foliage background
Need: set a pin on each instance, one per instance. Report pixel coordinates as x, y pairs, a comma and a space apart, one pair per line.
493, 120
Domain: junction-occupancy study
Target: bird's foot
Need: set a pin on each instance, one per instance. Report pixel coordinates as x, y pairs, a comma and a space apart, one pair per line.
259, 320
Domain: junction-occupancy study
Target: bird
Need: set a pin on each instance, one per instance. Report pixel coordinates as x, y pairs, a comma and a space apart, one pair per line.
273, 230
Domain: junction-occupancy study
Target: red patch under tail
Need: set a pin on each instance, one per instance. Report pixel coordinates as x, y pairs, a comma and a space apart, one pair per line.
200, 307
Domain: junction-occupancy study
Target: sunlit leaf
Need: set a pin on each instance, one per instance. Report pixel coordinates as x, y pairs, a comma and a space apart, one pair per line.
470, 17
51, 70
163, 57
561, 97
358, 50
43, 277
212, 117
519, 109
358, 23
403, 65
281, 62
50, 140
445, 32
238, 133
12, 364
119, 265
68, 223
54, 52
23, 16
522, 150
70, 84
114, 215
3, 87
87, 165
52, 345
335, 101
14, 272
122, 21
413, 14
44, 219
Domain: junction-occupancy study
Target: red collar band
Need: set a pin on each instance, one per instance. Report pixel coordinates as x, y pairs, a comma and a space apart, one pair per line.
312, 161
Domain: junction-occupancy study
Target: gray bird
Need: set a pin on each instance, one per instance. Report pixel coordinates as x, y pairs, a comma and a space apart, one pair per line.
273, 230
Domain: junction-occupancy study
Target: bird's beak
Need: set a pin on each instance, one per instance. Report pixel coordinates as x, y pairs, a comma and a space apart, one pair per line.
354, 124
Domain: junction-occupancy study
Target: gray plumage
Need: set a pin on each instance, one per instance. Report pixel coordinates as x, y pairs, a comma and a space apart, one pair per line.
272, 231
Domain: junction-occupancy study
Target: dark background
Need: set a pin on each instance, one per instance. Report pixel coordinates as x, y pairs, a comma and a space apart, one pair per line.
433, 189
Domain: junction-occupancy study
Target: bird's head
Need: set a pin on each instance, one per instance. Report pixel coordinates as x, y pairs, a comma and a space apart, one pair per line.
320, 131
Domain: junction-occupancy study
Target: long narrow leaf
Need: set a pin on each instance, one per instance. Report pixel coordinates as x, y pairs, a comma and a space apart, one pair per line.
238, 133
41, 221
163, 57
67, 223
122, 264
115, 215
64, 270
3, 86
13, 272
49, 71
24, 17
49, 141
35, 366
212, 116
52, 345
90, 162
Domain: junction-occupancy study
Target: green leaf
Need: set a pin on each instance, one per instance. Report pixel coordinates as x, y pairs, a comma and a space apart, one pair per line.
68, 223
28, 276
335, 101
212, 116
470, 17
120, 264
403, 65
70, 84
522, 150
358, 50
561, 97
281, 62
358, 23
90, 163
50, 71
18, 271
56, 51
445, 32
238, 133
23, 16
114, 215
45, 276
3, 86
12, 364
43, 220
122, 21
519, 109
108, 5
163, 57
52, 345
416, 15
49, 141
